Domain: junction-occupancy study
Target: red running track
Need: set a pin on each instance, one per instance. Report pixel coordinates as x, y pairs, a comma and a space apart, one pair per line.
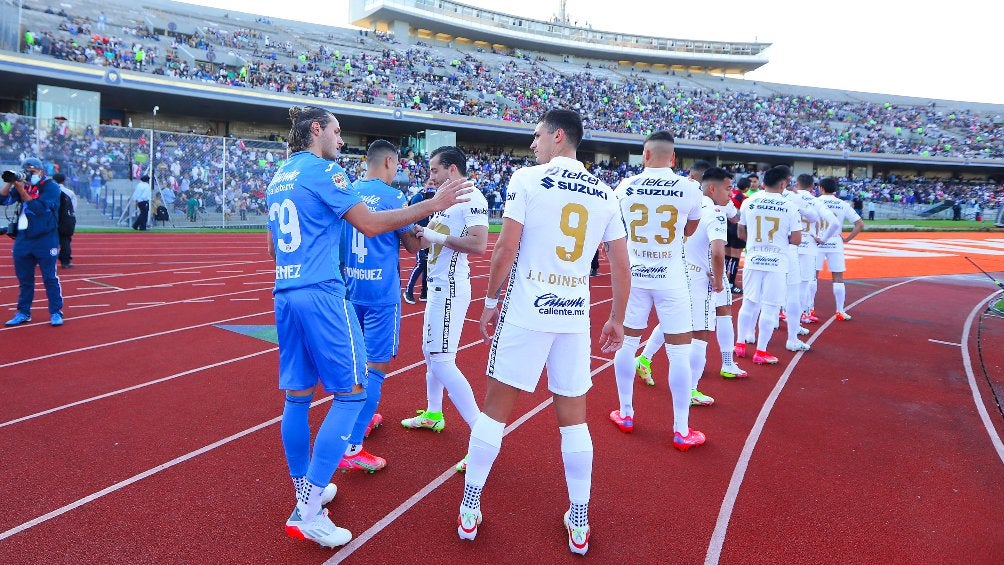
873, 449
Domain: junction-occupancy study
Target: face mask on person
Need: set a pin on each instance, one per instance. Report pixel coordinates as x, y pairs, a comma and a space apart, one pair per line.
35, 179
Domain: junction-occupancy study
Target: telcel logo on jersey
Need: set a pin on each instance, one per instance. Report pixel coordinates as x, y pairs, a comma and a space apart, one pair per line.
553, 304
284, 272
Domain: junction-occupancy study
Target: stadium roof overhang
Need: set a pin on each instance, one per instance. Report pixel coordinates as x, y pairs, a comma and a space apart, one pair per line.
366, 14
138, 92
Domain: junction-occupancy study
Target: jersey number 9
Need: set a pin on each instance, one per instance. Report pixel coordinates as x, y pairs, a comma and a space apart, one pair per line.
575, 230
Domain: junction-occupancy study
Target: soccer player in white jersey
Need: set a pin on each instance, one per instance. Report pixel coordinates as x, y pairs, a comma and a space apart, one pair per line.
813, 233
710, 296
450, 236
724, 329
555, 214
832, 251
768, 222
659, 209
643, 362
808, 214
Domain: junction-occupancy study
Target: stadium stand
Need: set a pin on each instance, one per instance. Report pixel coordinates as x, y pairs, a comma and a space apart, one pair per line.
344, 64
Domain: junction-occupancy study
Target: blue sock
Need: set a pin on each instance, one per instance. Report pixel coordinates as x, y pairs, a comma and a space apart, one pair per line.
333, 437
296, 434
374, 386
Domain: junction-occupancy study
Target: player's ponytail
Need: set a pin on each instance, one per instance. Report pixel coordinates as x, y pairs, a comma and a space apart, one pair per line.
301, 118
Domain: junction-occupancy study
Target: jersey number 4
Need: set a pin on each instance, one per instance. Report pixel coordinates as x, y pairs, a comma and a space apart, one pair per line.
284, 214
359, 246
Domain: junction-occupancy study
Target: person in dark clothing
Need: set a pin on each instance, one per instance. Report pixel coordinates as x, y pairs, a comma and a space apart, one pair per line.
37, 241
421, 260
67, 221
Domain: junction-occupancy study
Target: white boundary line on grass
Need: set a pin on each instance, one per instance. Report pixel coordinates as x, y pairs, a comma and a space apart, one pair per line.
714, 552
995, 439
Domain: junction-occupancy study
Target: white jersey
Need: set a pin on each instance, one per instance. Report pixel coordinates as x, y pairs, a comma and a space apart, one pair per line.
770, 219
656, 206
566, 213
820, 228
448, 266
844, 213
712, 228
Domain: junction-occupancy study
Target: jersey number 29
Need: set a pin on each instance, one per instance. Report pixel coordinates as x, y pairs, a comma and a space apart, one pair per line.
284, 213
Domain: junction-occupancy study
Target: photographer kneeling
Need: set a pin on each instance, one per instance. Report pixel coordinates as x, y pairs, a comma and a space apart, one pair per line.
37, 240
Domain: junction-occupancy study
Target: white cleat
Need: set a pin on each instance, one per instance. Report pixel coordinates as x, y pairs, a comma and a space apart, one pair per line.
328, 494
803, 331
320, 530
467, 523
578, 538
795, 345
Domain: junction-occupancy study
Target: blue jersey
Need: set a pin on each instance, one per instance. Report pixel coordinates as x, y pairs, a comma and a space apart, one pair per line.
372, 274
306, 201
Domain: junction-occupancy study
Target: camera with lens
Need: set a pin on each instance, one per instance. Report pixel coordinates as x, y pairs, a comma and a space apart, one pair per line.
10, 230
13, 176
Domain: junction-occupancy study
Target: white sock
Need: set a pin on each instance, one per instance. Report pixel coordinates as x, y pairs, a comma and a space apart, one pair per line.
624, 373
806, 292
726, 335
839, 294
698, 359
577, 455
433, 388
793, 309
353, 448
679, 385
313, 506
746, 322
486, 441
768, 321
813, 285
654, 343
444, 368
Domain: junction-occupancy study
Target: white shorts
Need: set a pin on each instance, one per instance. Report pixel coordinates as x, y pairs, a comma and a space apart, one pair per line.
518, 356
444, 321
834, 260
765, 287
672, 308
702, 300
794, 274
807, 264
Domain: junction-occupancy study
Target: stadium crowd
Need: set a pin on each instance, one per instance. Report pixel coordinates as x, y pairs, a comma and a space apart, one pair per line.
188, 167
386, 73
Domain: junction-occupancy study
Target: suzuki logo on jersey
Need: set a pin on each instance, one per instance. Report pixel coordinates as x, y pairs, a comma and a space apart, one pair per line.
576, 187
642, 181
547, 182
657, 192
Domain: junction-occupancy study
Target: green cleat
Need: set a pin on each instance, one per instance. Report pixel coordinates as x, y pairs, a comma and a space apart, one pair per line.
643, 368
425, 419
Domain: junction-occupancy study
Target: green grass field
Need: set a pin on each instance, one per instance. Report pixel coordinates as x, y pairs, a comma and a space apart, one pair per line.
933, 225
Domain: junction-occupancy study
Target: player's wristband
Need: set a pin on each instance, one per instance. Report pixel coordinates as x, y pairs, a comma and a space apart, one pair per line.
491, 303
434, 236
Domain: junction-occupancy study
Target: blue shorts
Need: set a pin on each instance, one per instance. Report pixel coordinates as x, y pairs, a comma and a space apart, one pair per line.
319, 339
381, 330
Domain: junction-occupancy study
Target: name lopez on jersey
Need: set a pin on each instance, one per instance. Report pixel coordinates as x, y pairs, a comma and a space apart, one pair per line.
590, 188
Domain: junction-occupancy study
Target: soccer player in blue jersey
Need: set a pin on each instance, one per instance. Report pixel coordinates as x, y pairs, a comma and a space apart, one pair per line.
373, 281
319, 334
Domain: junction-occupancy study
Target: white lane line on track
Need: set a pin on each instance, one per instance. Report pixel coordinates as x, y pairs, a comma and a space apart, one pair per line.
714, 552
134, 338
69, 278
245, 299
75, 306
396, 513
140, 308
144, 303
101, 284
945, 342
192, 454
995, 439
180, 459
135, 387
208, 284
